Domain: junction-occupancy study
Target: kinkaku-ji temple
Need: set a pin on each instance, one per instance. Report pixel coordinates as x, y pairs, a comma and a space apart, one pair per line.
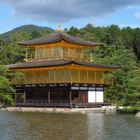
59, 72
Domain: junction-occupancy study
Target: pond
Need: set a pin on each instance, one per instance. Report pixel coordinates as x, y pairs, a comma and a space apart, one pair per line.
46, 126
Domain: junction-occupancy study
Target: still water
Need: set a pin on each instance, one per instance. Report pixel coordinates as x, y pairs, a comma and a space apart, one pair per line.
43, 126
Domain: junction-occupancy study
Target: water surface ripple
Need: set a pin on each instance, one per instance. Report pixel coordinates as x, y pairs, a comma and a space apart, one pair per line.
43, 126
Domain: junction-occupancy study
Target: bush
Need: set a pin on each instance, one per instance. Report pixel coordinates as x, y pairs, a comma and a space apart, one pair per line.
132, 110
6, 100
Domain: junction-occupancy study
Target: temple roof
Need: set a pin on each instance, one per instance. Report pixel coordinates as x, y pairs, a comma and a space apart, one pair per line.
56, 37
52, 63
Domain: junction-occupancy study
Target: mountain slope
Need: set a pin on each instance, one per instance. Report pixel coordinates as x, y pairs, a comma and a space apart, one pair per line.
24, 32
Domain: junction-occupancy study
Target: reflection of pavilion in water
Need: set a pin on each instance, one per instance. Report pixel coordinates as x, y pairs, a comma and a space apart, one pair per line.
40, 126
95, 123
51, 126
59, 72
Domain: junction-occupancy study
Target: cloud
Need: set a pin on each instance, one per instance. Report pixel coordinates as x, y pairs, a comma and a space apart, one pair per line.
66, 10
137, 15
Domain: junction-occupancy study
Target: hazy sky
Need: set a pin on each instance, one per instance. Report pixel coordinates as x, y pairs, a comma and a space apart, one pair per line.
50, 13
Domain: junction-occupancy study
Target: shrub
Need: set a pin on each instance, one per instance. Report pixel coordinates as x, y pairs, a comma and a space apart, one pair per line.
6, 100
132, 110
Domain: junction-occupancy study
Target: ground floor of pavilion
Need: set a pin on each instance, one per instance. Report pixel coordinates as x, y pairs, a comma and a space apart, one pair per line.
62, 95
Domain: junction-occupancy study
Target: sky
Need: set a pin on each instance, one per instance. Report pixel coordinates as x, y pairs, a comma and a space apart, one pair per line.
78, 13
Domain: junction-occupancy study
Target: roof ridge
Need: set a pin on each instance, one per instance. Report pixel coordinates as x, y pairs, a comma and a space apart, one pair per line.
55, 37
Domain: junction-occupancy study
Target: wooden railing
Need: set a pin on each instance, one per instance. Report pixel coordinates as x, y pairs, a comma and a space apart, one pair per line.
43, 101
55, 103
69, 56
46, 81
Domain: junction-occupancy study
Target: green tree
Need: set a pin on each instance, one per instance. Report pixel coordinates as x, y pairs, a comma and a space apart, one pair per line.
127, 35
11, 53
121, 90
136, 42
6, 89
133, 96
35, 34
73, 31
113, 36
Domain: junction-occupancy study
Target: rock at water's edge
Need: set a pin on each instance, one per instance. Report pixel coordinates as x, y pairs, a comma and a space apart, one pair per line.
138, 114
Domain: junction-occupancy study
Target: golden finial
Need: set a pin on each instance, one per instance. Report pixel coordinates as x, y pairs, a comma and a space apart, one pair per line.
59, 28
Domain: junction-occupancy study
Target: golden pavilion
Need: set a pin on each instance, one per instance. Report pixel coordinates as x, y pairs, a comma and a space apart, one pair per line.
59, 72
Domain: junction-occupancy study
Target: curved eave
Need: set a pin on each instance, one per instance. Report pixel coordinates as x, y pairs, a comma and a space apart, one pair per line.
57, 63
33, 45
57, 37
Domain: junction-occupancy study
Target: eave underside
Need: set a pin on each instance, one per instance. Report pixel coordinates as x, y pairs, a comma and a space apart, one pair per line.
59, 64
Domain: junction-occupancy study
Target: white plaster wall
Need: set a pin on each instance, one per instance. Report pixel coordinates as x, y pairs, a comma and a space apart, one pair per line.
99, 96
95, 96
91, 96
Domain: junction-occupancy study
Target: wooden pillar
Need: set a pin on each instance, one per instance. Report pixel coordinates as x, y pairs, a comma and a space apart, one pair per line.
78, 75
87, 76
24, 97
103, 81
95, 77
95, 94
61, 52
48, 96
70, 98
91, 56
26, 54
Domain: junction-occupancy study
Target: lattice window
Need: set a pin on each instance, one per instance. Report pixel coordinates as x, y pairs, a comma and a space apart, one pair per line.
65, 52
57, 52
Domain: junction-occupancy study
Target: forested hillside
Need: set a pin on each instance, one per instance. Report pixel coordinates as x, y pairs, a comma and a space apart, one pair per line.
120, 46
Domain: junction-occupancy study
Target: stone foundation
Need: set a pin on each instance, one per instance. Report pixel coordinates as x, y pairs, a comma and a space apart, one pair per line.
61, 110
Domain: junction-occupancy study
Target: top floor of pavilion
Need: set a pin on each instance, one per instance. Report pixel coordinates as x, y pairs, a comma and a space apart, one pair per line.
58, 46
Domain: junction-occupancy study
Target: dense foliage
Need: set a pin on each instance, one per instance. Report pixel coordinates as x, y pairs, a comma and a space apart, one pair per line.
120, 46
129, 110
6, 89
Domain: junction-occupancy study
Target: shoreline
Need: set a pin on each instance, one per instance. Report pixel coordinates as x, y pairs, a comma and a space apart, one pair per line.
104, 109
